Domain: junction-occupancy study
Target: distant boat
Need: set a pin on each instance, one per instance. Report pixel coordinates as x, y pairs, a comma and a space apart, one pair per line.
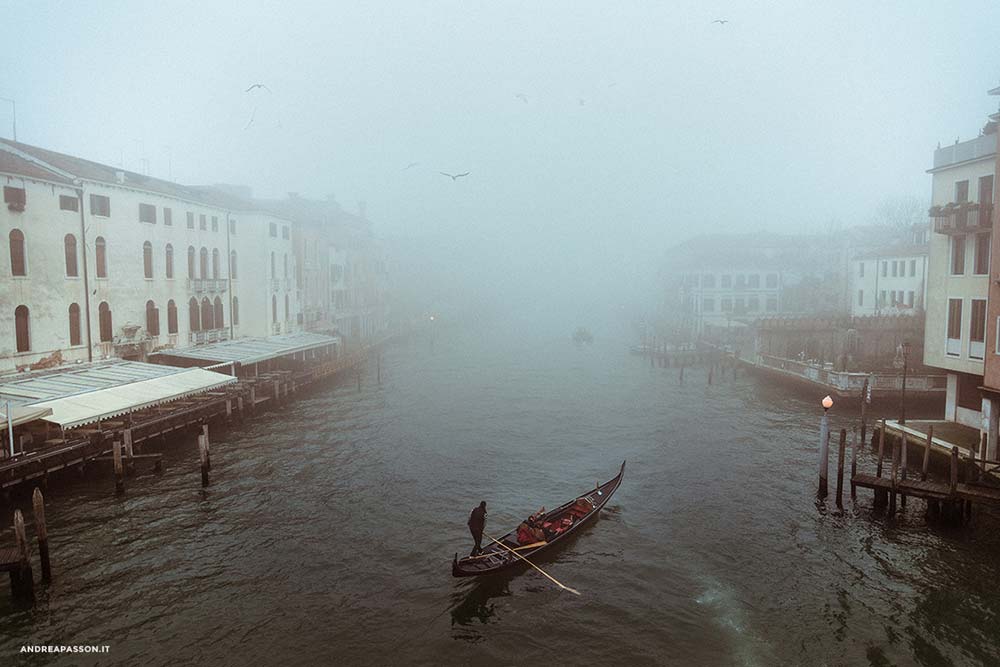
582, 335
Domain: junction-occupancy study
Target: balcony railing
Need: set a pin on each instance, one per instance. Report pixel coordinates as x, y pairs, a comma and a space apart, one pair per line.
200, 285
209, 336
962, 218
276, 328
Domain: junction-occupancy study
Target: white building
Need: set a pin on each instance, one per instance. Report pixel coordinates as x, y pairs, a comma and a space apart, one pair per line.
101, 262
889, 281
715, 298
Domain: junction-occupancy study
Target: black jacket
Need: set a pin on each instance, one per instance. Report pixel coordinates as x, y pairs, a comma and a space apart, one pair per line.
477, 520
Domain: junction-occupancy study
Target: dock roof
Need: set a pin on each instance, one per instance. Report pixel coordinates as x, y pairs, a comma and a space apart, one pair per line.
253, 350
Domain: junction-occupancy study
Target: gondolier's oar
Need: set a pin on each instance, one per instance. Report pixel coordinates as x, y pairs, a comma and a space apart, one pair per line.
544, 573
494, 553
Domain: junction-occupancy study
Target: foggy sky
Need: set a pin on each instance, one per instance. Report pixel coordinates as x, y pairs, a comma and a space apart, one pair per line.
787, 117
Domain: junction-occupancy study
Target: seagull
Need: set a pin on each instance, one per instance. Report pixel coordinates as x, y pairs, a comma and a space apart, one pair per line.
721, 21
522, 97
453, 177
410, 166
257, 85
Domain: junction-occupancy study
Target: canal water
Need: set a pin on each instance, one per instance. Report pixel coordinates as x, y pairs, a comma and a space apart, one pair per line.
327, 533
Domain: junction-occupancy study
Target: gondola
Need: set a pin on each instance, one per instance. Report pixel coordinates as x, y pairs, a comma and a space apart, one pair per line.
563, 521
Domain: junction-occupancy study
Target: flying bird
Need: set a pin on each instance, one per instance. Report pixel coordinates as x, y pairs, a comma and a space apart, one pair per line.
522, 97
410, 166
721, 21
257, 85
454, 177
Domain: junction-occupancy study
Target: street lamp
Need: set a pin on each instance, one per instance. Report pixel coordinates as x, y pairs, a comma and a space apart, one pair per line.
902, 394
824, 446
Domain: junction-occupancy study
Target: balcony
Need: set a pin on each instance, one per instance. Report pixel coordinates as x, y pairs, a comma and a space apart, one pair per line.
275, 285
276, 328
209, 336
202, 285
962, 218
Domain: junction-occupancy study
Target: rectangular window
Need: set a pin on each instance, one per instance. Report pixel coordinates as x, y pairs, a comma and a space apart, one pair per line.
885, 269
740, 305
957, 255
68, 203
727, 280
202, 222
772, 304
14, 198
753, 304
894, 270
708, 305
861, 269
961, 191
100, 205
284, 235
981, 265
741, 281
861, 297
215, 224
909, 298
273, 230
168, 217
190, 220
977, 330
892, 295
147, 213
953, 344
772, 282
708, 280
913, 268
753, 281
727, 305
232, 226
881, 299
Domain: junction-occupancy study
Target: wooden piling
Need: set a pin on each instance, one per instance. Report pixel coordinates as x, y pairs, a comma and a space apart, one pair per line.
253, 398
239, 406
208, 445
119, 469
927, 453
710, 377
840, 467
895, 471
277, 391
682, 374
953, 480
229, 409
854, 463
902, 471
880, 494
22, 581
378, 361
203, 457
358, 372
129, 454
38, 507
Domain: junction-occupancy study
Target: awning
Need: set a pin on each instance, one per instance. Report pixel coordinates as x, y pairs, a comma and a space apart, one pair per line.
80, 409
21, 415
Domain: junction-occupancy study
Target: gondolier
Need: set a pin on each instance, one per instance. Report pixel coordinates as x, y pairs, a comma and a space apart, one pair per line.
477, 524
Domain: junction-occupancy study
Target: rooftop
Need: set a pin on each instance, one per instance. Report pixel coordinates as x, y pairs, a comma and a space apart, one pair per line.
71, 379
980, 148
252, 350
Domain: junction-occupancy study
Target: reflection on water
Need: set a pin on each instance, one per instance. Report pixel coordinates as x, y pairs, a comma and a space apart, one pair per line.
474, 603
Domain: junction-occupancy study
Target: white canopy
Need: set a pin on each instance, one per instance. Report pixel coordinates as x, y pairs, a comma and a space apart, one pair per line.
21, 415
80, 409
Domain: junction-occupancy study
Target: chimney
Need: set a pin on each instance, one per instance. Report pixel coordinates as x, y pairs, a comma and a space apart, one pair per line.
119, 177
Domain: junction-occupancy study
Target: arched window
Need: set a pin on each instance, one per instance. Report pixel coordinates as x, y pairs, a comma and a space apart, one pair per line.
273, 274
206, 314
102, 257
104, 321
147, 259
220, 321
236, 312
191, 273
194, 323
232, 265
169, 261
203, 264
171, 317
286, 265
18, 266
286, 307
274, 307
70, 243
152, 319
74, 324
215, 263
21, 329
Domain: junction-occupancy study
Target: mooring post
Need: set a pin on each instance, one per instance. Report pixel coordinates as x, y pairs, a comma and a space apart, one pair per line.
953, 481
854, 462
709, 376
840, 467
239, 406
277, 392
881, 449
129, 454
927, 453
682, 373
895, 471
119, 469
208, 445
902, 471
229, 409
253, 398
38, 507
378, 361
203, 457
22, 581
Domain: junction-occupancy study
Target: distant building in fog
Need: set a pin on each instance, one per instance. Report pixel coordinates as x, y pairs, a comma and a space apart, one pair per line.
890, 280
